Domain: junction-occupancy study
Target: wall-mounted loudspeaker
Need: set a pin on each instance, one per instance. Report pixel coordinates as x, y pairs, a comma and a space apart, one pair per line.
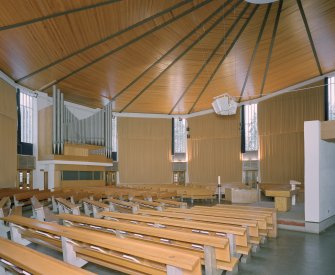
224, 105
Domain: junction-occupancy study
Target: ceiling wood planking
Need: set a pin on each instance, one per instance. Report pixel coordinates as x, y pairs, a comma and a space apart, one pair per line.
180, 56
254, 9
212, 57
320, 16
232, 73
133, 59
128, 24
203, 56
255, 79
292, 59
254, 52
92, 54
69, 48
104, 56
302, 12
15, 12
159, 62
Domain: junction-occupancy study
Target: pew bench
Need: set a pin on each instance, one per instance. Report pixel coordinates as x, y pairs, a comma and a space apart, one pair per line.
253, 215
126, 255
251, 226
262, 221
148, 204
212, 249
23, 198
41, 212
13, 260
117, 205
94, 207
64, 206
255, 209
172, 203
59, 194
5, 204
238, 237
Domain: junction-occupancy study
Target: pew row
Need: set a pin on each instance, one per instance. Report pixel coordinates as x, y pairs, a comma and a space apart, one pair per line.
12, 260
212, 249
80, 246
94, 207
5, 204
254, 209
148, 204
171, 203
238, 238
264, 220
65, 206
251, 226
118, 205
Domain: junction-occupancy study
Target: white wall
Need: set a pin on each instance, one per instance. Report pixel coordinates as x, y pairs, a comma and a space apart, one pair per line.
319, 175
327, 179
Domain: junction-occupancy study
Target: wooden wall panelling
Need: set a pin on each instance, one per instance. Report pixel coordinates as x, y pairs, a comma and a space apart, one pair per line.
45, 134
144, 150
214, 149
281, 132
8, 135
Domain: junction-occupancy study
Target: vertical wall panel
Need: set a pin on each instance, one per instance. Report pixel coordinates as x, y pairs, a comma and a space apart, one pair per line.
281, 132
214, 149
144, 150
8, 138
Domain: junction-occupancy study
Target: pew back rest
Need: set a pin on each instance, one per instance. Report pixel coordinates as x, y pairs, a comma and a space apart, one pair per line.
148, 251
38, 263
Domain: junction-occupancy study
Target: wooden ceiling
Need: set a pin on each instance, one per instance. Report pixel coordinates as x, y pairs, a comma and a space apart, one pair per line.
167, 56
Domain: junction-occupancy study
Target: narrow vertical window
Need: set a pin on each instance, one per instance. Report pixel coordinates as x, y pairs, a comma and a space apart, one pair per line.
331, 98
114, 138
179, 135
25, 105
250, 127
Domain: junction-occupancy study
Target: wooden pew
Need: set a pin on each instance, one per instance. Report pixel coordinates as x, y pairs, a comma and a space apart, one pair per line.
16, 211
94, 207
251, 226
5, 204
37, 263
59, 194
253, 215
262, 220
126, 255
238, 238
115, 205
23, 198
255, 209
65, 206
171, 203
214, 249
40, 212
148, 204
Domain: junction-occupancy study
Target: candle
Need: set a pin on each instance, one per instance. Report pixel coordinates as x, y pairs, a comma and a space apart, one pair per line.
219, 180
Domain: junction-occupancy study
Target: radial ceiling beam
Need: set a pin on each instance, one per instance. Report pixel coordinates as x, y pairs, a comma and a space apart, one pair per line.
192, 32
260, 34
113, 35
224, 57
275, 28
130, 42
213, 53
57, 14
174, 61
302, 12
